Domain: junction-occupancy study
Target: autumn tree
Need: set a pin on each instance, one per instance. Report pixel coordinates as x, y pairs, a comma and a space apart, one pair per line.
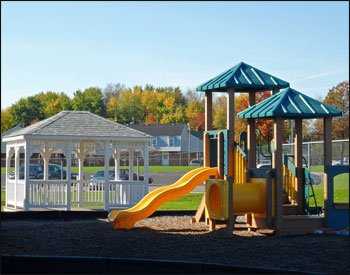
7, 121
112, 89
337, 97
198, 122
113, 109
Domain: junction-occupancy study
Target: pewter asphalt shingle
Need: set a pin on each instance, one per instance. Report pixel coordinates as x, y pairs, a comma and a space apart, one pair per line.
79, 123
166, 129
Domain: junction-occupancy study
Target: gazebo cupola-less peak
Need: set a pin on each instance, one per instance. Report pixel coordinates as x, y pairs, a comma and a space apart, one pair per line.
242, 78
291, 104
81, 133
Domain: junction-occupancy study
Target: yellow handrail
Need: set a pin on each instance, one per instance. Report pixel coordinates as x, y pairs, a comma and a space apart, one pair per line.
240, 167
289, 184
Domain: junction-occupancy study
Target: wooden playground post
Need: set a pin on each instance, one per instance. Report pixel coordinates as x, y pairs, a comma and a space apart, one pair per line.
220, 155
230, 121
251, 139
230, 222
230, 154
298, 162
206, 150
208, 110
327, 160
277, 164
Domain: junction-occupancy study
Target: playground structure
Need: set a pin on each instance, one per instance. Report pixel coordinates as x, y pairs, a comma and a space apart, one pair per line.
272, 198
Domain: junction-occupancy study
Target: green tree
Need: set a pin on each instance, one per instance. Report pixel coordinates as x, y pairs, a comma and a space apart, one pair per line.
130, 105
91, 100
220, 113
27, 110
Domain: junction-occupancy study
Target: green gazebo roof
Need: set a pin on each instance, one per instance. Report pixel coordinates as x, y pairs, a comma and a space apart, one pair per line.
243, 78
289, 103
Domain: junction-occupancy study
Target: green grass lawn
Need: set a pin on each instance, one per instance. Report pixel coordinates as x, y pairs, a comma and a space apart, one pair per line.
190, 201
341, 190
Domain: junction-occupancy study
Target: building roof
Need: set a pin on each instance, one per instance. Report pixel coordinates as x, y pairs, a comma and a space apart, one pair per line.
243, 78
79, 124
9, 131
197, 134
289, 103
166, 129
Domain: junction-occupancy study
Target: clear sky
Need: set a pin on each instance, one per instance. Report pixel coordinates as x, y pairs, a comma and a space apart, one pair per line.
66, 46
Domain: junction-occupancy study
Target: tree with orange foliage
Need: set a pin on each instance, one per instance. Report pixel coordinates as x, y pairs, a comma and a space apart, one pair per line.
198, 122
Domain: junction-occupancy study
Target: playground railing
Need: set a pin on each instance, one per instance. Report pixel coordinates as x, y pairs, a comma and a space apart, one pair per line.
240, 165
289, 179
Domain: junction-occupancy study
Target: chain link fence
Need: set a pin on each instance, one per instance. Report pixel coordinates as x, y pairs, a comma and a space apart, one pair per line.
312, 152
155, 159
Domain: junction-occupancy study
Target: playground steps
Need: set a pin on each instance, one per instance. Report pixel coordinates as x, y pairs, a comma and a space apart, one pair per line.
289, 209
301, 224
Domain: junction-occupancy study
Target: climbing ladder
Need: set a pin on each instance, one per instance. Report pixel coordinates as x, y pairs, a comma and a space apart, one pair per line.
289, 173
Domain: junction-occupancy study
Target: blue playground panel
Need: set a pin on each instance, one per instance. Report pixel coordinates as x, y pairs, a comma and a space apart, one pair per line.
337, 218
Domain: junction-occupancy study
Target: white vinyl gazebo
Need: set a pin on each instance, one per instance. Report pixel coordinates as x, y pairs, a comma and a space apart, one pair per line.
79, 133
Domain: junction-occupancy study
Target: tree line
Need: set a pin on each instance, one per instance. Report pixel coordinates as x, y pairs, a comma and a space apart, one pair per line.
151, 104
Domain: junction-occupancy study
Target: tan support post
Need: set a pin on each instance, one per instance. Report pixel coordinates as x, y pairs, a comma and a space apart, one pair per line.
327, 151
298, 162
208, 110
220, 155
231, 219
269, 199
231, 130
251, 137
206, 144
277, 164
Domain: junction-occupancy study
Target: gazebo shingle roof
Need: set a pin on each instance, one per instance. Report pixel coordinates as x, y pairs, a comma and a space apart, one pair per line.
79, 123
166, 129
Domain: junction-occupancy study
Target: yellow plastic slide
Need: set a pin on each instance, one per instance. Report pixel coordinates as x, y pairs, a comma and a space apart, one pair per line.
152, 201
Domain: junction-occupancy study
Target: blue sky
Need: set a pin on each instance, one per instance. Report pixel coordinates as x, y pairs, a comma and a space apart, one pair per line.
66, 46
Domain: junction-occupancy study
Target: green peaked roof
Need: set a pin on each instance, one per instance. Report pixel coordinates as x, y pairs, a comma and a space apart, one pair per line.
243, 78
289, 103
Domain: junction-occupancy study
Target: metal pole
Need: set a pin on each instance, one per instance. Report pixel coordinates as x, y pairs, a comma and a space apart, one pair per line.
189, 143
138, 168
309, 156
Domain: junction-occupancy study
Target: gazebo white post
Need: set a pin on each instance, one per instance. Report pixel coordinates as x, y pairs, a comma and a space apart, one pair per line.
9, 153
106, 176
81, 157
27, 154
16, 172
131, 164
145, 164
68, 177
117, 164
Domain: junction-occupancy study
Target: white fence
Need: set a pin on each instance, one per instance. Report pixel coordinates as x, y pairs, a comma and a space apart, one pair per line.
53, 193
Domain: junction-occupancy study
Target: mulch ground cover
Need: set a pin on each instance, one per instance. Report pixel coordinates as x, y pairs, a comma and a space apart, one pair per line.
174, 238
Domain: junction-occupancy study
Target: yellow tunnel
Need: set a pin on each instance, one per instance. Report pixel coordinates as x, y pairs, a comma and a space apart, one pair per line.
248, 198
